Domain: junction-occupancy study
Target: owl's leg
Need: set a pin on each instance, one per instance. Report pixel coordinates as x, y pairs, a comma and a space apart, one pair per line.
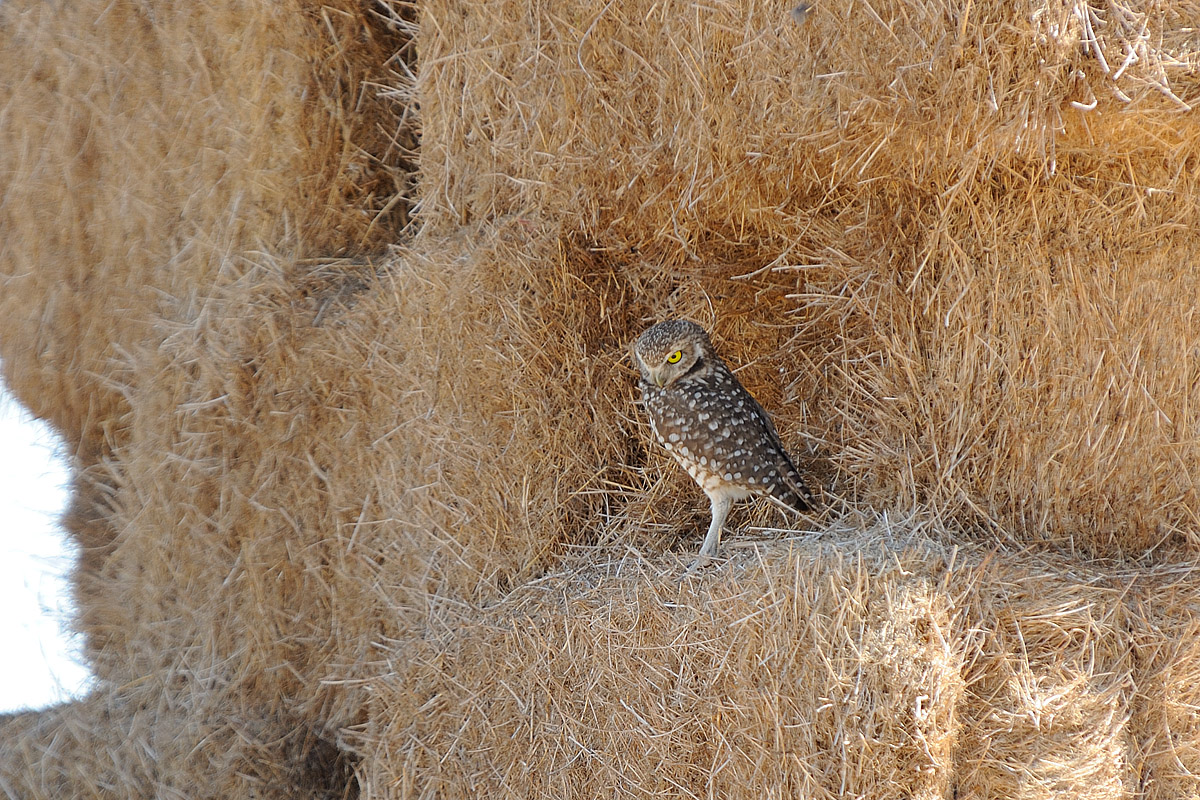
720, 510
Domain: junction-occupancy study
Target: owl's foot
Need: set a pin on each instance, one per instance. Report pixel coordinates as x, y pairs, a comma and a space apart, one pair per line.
702, 560
712, 540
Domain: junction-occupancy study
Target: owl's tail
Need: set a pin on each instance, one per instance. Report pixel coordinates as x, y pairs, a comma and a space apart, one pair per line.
791, 490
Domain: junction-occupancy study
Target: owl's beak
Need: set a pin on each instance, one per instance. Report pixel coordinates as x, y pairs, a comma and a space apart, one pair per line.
658, 379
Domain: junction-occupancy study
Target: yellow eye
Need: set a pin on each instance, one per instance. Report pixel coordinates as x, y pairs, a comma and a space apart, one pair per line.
675, 357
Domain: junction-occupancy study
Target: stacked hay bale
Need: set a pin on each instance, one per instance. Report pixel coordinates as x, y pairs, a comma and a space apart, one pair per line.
145, 146
150, 153
956, 278
392, 521
984, 285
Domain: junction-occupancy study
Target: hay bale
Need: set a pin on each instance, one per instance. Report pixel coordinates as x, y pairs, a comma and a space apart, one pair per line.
1049, 709
295, 449
870, 661
133, 742
976, 267
677, 123
57, 752
315, 469
313, 432
1166, 647
143, 146
780, 675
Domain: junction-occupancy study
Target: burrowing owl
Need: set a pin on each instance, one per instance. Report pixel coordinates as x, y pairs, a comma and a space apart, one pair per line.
704, 417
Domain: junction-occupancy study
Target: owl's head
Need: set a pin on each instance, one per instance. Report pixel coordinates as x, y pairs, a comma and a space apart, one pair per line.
670, 350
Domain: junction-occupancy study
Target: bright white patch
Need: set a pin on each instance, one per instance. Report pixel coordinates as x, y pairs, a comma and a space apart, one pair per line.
40, 663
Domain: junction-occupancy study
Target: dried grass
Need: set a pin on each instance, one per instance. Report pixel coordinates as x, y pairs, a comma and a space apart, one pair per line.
973, 278
134, 742
145, 145
410, 497
779, 676
268, 521
678, 123
868, 661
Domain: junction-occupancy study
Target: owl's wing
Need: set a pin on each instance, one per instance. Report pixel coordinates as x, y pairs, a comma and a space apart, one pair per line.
795, 493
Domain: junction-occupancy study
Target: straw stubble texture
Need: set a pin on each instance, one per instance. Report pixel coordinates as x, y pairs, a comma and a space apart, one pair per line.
986, 215
144, 145
391, 522
868, 662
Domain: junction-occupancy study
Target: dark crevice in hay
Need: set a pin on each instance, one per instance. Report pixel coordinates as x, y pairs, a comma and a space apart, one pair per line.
321, 769
331, 287
366, 76
574, 318
603, 295
89, 521
400, 19
738, 290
